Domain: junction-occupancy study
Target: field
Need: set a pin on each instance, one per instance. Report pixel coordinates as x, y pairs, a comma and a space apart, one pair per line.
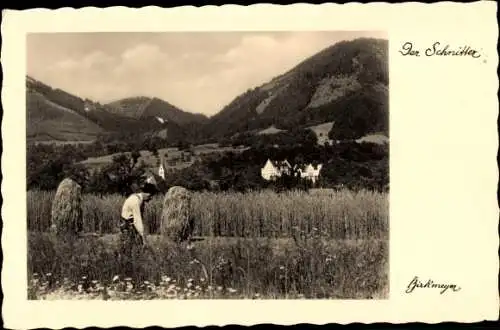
169, 154
322, 131
324, 244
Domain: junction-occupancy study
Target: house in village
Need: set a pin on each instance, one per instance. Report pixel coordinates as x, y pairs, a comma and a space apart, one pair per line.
88, 106
275, 169
310, 172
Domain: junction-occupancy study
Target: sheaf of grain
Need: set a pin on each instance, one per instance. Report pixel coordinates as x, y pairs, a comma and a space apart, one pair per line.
66, 211
176, 221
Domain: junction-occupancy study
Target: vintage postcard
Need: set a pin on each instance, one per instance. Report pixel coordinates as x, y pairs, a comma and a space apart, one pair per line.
244, 165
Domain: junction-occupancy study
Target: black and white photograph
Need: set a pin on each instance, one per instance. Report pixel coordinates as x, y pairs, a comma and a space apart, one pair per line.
245, 165
208, 165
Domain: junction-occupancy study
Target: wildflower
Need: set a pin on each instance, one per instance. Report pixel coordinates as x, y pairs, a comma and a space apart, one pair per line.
210, 287
84, 277
190, 280
115, 278
202, 279
219, 288
171, 293
189, 285
95, 281
231, 290
282, 267
197, 287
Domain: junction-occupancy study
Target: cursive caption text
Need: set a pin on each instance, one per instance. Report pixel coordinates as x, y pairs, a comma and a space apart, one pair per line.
438, 49
416, 283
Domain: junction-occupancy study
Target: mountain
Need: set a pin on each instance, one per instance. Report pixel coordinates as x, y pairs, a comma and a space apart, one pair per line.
346, 83
51, 115
56, 115
145, 107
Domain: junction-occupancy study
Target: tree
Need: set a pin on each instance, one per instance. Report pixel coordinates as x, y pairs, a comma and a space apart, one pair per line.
123, 173
135, 156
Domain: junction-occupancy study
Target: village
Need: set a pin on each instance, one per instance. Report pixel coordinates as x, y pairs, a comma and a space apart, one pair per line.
271, 171
275, 169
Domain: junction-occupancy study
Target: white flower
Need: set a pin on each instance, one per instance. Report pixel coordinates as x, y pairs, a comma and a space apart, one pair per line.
116, 278
171, 293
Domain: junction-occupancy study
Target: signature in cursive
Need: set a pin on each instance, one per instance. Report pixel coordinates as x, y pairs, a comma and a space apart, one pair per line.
437, 49
430, 284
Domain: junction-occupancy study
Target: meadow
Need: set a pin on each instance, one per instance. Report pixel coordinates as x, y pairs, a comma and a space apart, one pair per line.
321, 244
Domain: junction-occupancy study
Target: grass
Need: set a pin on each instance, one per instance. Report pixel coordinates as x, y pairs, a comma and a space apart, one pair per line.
174, 154
322, 131
261, 245
341, 214
217, 268
374, 138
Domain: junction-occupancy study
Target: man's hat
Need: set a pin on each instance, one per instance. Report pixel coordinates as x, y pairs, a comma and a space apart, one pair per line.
150, 186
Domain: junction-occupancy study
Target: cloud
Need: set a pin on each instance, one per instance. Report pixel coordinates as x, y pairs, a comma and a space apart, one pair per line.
143, 56
69, 64
198, 72
97, 60
256, 59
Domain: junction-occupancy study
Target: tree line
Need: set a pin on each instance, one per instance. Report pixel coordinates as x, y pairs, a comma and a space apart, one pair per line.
349, 164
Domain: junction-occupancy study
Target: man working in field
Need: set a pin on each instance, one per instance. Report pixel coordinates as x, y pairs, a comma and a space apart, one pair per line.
133, 211
132, 234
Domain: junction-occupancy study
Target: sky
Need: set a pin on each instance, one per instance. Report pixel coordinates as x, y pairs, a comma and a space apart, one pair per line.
198, 72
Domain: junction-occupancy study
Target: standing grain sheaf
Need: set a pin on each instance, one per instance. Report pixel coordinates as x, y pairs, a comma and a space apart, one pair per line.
176, 220
66, 213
